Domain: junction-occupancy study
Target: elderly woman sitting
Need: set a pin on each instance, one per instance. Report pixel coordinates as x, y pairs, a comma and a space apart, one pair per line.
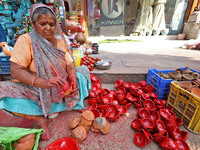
39, 93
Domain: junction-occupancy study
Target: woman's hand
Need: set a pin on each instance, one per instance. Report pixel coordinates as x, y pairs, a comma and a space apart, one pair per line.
54, 81
73, 89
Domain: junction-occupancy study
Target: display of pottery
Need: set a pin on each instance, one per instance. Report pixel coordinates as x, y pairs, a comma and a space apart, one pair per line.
181, 75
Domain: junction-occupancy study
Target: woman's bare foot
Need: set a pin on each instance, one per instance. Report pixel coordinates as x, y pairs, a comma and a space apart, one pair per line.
46, 135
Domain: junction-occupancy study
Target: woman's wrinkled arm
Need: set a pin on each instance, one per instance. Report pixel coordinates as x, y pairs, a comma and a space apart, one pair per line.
23, 75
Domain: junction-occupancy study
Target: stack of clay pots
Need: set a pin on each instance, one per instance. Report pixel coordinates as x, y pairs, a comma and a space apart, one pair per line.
181, 75
82, 124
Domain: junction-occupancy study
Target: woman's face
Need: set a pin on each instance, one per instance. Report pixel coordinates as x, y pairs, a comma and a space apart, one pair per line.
46, 26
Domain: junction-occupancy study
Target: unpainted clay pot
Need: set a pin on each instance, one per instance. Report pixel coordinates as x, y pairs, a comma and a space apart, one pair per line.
177, 76
85, 122
195, 75
87, 128
79, 134
187, 77
74, 122
93, 129
106, 129
99, 123
187, 71
88, 115
196, 91
185, 85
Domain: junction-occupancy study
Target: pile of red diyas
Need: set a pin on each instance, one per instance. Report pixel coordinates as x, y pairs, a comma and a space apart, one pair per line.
107, 103
155, 121
88, 61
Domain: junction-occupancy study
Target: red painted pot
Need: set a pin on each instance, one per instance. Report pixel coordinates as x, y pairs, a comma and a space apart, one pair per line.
145, 96
111, 107
113, 92
92, 101
150, 105
139, 92
160, 102
147, 134
93, 77
101, 107
96, 113
169, 144
128, 105
121, 90
99, 98
120, 97
184, 135
92, 94
122, 109
104, 91
98, 83
147, 124
130, 98
93, 106
65, 143
94, 88
140, 139
138, 104
127, 85
182, 145
175, 133
107, 100
153, 95
111, 95
113, 115
119, 83
124, 102
160, 126
154, 116
179, 122
136, 124
102, 113
142, 83
115, 102
143, 113
135, 87
158, 137
165, 114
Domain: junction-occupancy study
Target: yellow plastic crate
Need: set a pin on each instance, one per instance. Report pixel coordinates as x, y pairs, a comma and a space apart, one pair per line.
185, 105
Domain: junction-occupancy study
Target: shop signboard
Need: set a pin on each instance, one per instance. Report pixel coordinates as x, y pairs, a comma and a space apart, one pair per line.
111, 12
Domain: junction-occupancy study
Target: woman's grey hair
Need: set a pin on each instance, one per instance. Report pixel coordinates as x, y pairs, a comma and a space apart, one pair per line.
41, 11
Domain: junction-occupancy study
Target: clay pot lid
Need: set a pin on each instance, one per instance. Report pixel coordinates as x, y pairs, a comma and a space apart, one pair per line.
107, 100
127, 85
187, 71
136, 124
74, 122
79, 134
121, 90
182, 145
92, 101
196, 91
143, 113
160, 126
187, 77
122, 109
195, 75
119, 83
88, 115
130, 97
106, 129
66, 143
169, 143
140, 139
